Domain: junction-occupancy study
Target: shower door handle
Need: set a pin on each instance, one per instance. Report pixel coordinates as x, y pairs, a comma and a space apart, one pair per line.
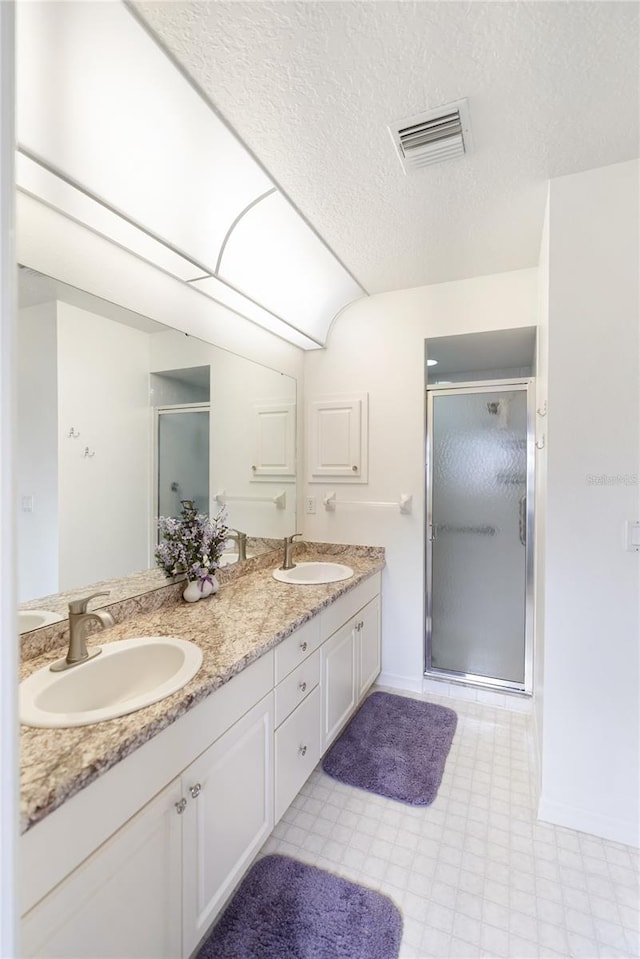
522, 519
433, 532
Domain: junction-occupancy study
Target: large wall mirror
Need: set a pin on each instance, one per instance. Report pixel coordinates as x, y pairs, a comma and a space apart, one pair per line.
119, 419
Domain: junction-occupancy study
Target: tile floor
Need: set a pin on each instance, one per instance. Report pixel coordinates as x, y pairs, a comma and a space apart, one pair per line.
474, 874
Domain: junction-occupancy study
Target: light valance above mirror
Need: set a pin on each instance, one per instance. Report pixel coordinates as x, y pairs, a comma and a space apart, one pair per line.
111, 133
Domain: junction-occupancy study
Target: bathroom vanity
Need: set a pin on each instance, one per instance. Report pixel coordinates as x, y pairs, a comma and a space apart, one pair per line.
140, 861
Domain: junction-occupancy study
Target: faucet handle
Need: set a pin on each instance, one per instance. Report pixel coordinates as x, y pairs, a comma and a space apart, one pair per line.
290, 539
80, 605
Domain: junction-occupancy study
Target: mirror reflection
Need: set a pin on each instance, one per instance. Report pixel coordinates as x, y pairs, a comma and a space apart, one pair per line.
119, 419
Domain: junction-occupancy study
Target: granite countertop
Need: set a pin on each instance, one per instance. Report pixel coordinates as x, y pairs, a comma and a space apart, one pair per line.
249, 615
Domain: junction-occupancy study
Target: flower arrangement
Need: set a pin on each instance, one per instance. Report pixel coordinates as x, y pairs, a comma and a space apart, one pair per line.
192, 544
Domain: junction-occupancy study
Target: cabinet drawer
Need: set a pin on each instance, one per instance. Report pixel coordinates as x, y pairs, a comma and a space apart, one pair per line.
296, 686
297, 750
296, 647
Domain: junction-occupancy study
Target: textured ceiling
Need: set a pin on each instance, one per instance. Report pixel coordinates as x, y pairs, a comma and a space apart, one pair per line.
311, 87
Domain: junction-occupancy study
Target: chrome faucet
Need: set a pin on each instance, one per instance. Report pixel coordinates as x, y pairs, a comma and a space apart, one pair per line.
287, 562
241, 540
79, 619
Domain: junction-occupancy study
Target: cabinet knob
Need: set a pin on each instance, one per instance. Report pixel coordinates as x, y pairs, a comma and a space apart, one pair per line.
303, 750
195, 790
354, 469
181, 806
302, 687
303, 647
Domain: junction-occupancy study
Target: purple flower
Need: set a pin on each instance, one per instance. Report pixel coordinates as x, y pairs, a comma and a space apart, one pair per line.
191, 544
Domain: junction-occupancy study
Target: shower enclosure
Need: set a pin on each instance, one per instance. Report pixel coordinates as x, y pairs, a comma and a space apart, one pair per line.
479, 533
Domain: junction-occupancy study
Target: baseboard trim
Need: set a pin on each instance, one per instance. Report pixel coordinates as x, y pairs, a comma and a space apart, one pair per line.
617, 830
396, 681
537, 754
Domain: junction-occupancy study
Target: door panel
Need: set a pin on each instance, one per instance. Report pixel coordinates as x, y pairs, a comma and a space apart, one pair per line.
183, 460
477, 531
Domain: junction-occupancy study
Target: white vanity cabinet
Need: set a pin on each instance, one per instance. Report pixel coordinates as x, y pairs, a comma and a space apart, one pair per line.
368, 652
338, 681
152, 889
350, 664
140, 863
124, 901
228, 816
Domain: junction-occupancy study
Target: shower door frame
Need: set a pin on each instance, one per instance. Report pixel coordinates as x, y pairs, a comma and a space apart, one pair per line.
526, 384
155, 457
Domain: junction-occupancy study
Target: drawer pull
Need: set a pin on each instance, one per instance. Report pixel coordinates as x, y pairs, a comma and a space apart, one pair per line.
303, 750
303, 646
302, 687
195, 790
181, 806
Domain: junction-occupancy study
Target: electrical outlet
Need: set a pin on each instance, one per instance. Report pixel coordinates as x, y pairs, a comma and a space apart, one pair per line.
310, 504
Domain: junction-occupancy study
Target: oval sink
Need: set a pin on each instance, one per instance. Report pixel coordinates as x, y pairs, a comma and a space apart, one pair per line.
313, 574
126, 676
29, 619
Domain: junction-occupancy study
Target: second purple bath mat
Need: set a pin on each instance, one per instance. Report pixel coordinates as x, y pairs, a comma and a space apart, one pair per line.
396, 747
285, 909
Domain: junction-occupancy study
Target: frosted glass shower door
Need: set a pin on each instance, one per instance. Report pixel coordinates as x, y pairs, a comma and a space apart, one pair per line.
183, 459
477, 549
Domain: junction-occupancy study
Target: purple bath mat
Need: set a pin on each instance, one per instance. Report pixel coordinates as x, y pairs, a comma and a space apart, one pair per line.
285, 909
396, 747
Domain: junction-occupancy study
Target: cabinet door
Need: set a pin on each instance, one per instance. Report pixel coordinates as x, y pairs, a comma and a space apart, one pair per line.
275, 437
124, 901
368, 645
337, 438
338, 681
228, 817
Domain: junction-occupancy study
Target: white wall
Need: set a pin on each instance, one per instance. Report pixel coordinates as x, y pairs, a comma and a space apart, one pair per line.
377, 346
591, 747
540, 515
103, 392
37, 451
9, 752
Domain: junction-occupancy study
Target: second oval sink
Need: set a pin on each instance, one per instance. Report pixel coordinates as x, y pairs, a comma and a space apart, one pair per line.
29, 619
313, 574
126, 676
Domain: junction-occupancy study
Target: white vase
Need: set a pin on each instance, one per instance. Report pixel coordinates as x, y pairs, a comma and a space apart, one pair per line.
208, 586
191, 593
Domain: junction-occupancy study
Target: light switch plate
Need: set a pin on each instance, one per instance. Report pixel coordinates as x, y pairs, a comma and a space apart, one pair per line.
632, 536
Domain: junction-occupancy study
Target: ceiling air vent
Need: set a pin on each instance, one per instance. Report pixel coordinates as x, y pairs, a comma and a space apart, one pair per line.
431, 137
